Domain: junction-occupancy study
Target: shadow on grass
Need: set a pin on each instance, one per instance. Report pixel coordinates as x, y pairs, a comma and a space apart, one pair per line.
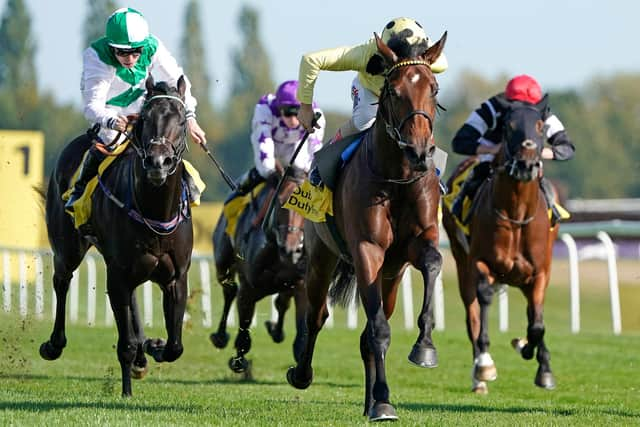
43, 406
177, 381
562, 412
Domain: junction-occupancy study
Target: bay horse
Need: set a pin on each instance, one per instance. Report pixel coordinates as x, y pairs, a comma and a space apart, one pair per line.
149, 236
266, 263
386, 213
510, 242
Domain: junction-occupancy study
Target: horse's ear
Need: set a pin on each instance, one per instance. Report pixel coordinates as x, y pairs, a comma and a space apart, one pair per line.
182, 86
149, 84
543, 104
433, 53
387, 54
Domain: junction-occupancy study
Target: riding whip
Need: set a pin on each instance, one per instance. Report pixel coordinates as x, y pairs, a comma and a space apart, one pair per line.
226, 177
267, 216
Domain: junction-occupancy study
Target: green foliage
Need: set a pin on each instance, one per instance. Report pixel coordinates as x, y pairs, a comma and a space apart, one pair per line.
96, 19
17, 48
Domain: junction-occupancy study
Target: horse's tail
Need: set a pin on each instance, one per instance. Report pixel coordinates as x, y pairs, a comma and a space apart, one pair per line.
343, 286
41, 190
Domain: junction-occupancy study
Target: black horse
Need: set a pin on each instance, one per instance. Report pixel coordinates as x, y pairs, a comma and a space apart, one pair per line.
149, 236
266, 263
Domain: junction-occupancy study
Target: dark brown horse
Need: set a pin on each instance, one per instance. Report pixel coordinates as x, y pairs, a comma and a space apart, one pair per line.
142, 224
385, 210
510, 242
266, 264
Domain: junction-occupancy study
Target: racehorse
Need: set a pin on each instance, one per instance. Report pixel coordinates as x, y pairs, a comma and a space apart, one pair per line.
266, 263
385, 209
510, 241
148, 237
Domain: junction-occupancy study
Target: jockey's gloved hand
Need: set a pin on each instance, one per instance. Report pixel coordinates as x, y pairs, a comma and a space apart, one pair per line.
118, 123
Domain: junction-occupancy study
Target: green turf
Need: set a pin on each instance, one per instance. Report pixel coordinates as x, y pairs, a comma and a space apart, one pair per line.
598, 374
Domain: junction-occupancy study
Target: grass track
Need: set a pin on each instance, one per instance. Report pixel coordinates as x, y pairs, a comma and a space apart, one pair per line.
598, 379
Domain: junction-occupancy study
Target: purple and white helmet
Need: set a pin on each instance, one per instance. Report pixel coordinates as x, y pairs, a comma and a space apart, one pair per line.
286, 97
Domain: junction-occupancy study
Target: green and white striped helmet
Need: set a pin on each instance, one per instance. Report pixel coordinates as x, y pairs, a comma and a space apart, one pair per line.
127, 29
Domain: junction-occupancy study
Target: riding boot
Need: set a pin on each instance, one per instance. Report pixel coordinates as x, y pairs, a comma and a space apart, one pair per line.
469, 188
314, 177
247, 182
88, 170
549, 196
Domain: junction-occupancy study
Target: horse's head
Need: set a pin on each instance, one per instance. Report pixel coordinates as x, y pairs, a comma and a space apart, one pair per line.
408, 97
522, 139
160, 133
289, 230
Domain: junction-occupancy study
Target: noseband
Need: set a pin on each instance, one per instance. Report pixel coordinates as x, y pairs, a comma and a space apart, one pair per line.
394, 130
141, 147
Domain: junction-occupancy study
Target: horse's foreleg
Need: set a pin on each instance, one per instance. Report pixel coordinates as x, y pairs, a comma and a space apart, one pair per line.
369, 370
220, 338
276, 329
52, 349
300, 296
429, 262
484, 366
535, 334
127, 347
140, 365
378, 336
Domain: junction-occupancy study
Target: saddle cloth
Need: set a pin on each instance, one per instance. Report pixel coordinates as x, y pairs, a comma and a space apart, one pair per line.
82, 207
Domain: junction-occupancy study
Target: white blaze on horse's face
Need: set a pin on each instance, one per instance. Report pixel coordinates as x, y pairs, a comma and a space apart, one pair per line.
415, 78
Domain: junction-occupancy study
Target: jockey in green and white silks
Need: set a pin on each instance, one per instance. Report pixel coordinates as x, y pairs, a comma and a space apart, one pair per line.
109, 89
113, 84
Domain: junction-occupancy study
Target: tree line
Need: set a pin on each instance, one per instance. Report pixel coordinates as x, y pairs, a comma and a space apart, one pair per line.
602, 117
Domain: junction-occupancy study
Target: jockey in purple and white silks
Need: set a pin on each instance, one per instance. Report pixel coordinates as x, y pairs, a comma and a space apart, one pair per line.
276, 133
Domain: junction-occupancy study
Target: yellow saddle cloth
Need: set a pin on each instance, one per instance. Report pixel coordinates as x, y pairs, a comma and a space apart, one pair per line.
234, 208
312, 202
82, 207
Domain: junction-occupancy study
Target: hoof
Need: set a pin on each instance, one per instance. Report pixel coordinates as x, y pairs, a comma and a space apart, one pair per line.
49, 352
423, 357
480, 388
276, 336
219, 340
238, 364
545, 381
154, 348
139, 372
485, 373
382, 412
518, 344
291, 379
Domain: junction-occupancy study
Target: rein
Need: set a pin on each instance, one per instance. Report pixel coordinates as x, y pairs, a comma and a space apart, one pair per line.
392, 130
514, 221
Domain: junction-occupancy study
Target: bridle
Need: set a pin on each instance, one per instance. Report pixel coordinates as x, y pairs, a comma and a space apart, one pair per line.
390, 120
177, 147
511, 164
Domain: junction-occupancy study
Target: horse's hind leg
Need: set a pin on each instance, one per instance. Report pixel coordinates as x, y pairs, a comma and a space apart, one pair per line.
320, 265
429, 261
276, 329
220, 338
225, 272
246, 309
63, 272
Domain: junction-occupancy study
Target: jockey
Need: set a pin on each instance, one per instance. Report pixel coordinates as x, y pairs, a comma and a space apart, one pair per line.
368, 82
115, 69
481, 135
275, 135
